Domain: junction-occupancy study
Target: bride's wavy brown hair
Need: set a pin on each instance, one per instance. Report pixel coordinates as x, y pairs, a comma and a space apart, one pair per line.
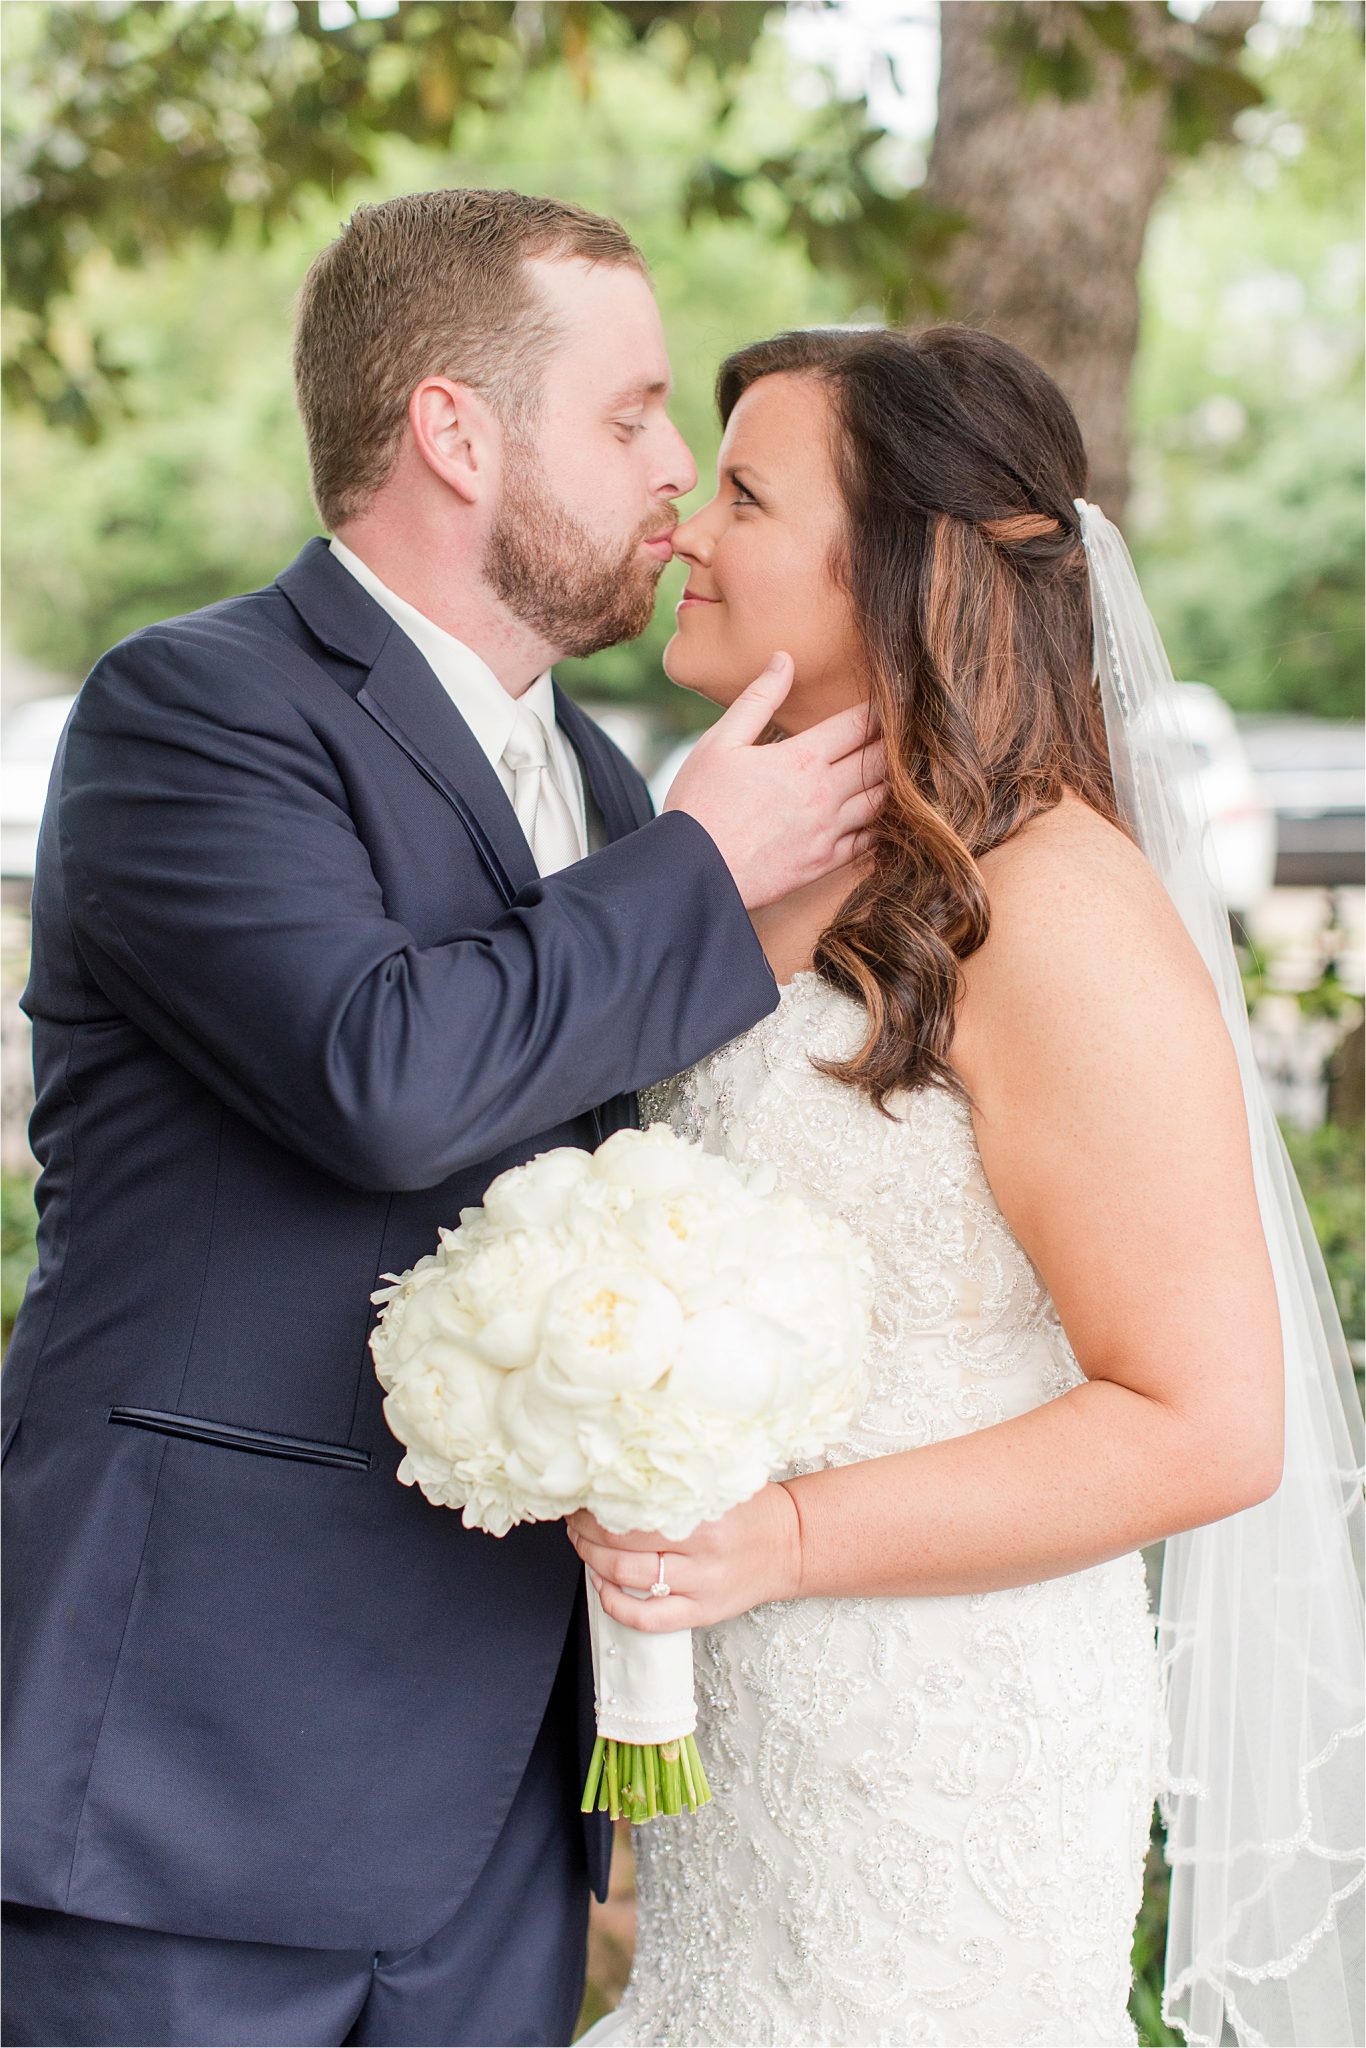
958, 460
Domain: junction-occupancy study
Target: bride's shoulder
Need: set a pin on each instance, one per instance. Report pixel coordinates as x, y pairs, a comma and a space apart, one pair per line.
1082, 935
1070, 859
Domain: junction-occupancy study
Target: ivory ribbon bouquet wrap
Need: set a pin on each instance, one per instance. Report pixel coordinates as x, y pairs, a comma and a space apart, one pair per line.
650, 1332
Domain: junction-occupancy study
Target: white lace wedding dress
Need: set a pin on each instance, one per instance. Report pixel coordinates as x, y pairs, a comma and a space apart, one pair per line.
930, 1815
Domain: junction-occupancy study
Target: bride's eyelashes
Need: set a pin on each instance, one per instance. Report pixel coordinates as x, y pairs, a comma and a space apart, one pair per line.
746, 495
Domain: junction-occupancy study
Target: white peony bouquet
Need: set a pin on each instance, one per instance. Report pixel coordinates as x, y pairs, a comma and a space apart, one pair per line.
647, 1331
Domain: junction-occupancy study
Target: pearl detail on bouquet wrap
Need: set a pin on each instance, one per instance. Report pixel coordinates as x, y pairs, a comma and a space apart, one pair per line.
643, 1683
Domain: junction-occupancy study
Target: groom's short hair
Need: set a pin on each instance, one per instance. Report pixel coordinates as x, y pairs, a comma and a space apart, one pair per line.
433, 284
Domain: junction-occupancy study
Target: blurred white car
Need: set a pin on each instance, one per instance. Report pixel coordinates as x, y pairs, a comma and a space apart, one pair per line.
664, 774
28, 744
1313, 773
1242, 842
1242, 845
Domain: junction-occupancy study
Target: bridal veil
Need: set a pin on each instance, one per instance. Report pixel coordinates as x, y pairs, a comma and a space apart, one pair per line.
1260, 1617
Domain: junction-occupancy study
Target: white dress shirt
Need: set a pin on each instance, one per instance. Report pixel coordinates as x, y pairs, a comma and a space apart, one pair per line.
478, 696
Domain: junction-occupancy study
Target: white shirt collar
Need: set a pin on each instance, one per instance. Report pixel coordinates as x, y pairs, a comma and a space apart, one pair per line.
466, 678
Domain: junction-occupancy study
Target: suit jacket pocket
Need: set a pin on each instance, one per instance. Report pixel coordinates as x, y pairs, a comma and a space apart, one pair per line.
231, 1436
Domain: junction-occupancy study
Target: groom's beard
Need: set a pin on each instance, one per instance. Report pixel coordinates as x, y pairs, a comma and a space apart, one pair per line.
578, 592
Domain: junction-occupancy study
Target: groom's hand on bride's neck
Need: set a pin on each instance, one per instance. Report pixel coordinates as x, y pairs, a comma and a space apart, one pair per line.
786, 814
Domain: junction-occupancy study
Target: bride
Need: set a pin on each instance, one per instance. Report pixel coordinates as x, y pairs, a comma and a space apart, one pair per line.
931, 1701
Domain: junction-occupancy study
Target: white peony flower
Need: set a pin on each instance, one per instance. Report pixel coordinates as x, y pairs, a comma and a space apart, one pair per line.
592, 1229
702, 1468
538, 1433
731, 1361
509, 1339
651, 1162
446, 1406
493, 1269
681, 1237
539, 1194
607, 1328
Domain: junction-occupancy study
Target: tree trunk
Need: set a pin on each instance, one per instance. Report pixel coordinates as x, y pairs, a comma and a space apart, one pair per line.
1057, 194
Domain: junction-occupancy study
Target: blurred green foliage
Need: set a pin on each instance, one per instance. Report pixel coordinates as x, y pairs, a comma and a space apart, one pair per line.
1327, 1164
18, 1250
1194, 61
1247, 514
203, 489
758, 210
131, 127
1149, 1953
134, 125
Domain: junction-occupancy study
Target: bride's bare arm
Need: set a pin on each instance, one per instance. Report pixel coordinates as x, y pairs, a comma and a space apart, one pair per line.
1110, 1119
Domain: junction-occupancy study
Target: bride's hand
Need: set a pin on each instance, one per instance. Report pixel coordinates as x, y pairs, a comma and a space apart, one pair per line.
751, 1555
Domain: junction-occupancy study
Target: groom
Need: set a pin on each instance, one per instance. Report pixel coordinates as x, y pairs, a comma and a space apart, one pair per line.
341, 909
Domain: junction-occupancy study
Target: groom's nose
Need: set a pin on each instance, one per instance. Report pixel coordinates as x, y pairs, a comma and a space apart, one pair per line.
676, 472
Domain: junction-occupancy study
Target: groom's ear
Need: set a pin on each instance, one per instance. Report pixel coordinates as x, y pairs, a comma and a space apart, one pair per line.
456, 435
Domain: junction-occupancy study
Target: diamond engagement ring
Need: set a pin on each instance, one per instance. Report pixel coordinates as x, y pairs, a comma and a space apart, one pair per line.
659, 1591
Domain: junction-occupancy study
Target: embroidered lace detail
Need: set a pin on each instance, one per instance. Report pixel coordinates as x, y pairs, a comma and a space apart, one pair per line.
930, 1815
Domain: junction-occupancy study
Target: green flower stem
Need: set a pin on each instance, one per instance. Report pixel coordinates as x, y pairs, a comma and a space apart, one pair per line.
595, 1785
689, 1782
641, 1781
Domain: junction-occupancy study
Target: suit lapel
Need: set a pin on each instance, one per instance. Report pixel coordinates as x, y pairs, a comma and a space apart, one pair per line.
405, 698
407, 701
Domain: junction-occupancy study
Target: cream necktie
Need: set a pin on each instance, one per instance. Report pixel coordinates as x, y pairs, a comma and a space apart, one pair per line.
542, 811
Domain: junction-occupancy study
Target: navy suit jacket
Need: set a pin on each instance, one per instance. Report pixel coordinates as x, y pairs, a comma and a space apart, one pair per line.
298, 994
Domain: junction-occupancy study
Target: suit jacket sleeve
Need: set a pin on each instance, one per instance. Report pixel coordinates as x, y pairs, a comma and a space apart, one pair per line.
222, 900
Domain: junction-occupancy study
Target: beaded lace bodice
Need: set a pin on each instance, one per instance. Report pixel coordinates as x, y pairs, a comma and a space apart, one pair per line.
964, 1332
930, 1815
